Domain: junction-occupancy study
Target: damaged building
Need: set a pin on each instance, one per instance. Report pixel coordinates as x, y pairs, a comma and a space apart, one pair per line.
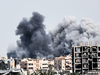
86, 58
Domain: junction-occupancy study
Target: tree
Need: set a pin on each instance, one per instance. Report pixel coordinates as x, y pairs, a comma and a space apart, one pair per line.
50, 66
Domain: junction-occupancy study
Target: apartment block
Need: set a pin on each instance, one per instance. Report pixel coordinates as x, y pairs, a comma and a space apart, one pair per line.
68, 63
32, 65
86, 58
59, 63
63, 63
43, 63
28, 64
51, 62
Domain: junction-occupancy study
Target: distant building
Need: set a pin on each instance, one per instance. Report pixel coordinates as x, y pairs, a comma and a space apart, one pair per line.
59, 63
68, 63
10, 67
3, 57
86, 58
32, 65
63, 63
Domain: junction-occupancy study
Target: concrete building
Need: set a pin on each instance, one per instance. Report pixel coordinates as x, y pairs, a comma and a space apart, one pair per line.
32, 65
24, 64
63, 63
68, 63
3, 58
51, 63
43, 63
59, 63
86, 58
10, 68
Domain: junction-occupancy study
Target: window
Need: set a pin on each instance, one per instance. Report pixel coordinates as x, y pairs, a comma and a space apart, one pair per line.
78, 61
30, 67
24, 68
30, 64
84, 60
25, 64
45, 67
67, 62
77, 49
44, 64
43, 59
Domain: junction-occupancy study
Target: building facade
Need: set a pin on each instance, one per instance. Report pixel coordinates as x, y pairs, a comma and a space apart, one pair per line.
63, 63
32, 65
86, 58
68, 63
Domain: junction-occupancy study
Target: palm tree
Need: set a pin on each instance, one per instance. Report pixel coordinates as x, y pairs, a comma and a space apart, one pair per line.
50, 67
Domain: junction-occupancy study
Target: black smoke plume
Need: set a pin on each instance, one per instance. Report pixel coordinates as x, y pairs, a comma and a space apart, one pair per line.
33, 38
34, 42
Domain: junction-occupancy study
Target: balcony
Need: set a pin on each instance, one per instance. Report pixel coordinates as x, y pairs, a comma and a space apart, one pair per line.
85, 66
98, 65
85, 49
85, 60
94, 49
94, 55
78, 49
78, 65
95, 65
77, 54
68, 68
99, 60
77, 61
85, 55
98, 49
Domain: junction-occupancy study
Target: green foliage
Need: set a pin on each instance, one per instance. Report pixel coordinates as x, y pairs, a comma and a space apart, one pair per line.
3, 65
61, 73
50, 66
35, 74
41, 72
32, 74
55, 72
74, 74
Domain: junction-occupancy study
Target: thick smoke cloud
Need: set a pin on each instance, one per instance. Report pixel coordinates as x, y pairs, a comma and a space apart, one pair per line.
33, 38
35, 43
69, 32
17, 52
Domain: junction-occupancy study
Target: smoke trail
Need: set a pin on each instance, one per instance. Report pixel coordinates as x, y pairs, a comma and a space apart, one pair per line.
33, 38
69, 32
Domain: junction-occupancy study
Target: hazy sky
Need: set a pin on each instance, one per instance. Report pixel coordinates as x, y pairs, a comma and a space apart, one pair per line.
13, 11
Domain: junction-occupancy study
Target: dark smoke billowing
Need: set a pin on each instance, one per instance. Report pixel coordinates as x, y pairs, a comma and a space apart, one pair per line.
33, 38
69, 32
34, 42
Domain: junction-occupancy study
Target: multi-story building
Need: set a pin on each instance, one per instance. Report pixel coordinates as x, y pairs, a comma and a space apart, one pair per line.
43, 63
34, 64
28, 64
59, 63
86, 58
68, 63
51, 64
24, 64
63, 63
